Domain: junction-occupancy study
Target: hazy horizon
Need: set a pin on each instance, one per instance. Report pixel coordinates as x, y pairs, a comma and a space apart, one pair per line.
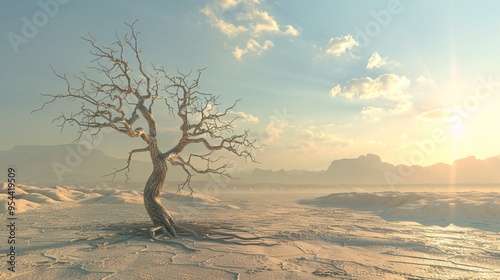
250, 167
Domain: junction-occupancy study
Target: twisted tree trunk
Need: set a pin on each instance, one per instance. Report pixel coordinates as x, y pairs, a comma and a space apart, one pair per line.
159, 215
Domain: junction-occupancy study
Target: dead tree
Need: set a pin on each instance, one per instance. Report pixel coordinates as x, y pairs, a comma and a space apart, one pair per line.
120, 94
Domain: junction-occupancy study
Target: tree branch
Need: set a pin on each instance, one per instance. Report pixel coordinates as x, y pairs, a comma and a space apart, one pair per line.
125, 93
127, 167
116, 101
203, 123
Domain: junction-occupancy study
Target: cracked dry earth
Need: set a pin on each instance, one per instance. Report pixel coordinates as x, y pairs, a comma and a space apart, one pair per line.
251, 236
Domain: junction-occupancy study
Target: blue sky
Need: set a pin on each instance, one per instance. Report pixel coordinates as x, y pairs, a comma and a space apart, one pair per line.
419, 87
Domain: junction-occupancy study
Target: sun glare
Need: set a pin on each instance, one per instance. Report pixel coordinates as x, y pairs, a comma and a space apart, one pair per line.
457, 131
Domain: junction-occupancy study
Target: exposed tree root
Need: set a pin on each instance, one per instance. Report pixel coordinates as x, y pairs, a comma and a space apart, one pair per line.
185, 231
219, 234
175, 243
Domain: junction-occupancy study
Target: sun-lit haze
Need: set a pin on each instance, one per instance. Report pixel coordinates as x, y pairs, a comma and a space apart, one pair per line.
413, 82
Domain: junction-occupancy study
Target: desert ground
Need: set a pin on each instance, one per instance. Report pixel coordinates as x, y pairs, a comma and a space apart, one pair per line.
258, 232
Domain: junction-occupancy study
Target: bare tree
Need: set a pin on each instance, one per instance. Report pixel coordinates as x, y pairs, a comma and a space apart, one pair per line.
124, 93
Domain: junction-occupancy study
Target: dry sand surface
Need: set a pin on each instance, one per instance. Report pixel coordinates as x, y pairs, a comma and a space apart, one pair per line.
83, 233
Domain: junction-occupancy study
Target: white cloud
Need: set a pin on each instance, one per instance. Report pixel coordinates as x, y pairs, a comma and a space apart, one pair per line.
227, 4
226, 28
259, 21
441, 114
376, 61
252, 46
245, 22
373, 113
337, 90
403, 107
274, 130
245, 117
387, 86
290, 30
340, 45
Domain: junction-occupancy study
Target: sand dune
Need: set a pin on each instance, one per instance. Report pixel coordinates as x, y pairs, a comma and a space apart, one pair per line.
32, 197
462, 208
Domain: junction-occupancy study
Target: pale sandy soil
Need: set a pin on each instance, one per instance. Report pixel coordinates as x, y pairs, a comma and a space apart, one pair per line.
102, 234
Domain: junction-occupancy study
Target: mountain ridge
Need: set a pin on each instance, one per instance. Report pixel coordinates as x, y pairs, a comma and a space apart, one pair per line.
369, 169
74, 163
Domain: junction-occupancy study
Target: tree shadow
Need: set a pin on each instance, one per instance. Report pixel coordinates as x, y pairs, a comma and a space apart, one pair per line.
188, 233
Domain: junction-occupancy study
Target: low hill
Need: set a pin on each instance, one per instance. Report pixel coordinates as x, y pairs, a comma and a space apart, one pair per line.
73, 164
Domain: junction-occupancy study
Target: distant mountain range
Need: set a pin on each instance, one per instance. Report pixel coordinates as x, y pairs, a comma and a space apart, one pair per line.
73, 164
371, 170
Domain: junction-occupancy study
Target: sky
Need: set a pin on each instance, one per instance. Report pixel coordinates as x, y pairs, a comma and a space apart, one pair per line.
415, 82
